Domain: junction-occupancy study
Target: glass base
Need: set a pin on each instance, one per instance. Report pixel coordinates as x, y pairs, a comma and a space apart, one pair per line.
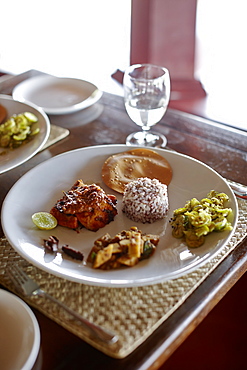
147, 138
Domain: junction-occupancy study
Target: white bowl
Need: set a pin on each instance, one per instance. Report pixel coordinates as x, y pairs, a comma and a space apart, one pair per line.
19, 333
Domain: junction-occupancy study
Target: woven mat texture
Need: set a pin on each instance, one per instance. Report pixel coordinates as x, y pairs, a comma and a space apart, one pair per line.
132, 313
57, 133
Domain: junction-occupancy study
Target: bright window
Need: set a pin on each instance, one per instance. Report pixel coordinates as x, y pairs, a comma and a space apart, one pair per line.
76, 38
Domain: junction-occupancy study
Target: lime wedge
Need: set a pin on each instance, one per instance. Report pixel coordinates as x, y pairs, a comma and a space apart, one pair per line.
44, 220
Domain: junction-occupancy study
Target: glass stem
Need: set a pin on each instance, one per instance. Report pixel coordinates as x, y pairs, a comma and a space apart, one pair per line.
145, 128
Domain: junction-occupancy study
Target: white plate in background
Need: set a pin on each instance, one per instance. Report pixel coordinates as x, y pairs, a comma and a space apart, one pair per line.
42, 186
57, 95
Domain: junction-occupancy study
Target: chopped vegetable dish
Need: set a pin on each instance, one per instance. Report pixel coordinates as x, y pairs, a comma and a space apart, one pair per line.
199, 218
125, 249
17, 130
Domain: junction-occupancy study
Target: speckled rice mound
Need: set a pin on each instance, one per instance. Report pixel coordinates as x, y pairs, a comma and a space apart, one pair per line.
145, 200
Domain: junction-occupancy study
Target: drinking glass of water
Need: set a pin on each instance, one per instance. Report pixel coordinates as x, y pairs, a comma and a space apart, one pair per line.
146, 97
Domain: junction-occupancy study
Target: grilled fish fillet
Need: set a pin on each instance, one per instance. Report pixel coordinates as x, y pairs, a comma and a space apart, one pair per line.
87, 205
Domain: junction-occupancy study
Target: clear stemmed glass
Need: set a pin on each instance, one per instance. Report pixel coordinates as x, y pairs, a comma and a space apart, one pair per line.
146, 96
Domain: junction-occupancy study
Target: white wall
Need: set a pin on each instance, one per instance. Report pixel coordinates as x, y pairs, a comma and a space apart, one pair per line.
222, 58
221, 34
87, 39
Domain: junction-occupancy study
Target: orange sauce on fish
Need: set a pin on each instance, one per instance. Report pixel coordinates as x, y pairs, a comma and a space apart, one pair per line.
121, 168
3, 113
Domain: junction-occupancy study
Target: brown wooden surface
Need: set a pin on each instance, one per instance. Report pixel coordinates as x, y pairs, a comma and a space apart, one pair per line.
219, 146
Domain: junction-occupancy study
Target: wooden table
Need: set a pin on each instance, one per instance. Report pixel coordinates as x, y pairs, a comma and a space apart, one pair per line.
219, 146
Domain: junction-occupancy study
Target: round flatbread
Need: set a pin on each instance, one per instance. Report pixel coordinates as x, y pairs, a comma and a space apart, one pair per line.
121, 168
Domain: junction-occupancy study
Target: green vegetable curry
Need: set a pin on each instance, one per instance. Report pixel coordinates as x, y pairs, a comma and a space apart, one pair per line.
199, 218
17, 130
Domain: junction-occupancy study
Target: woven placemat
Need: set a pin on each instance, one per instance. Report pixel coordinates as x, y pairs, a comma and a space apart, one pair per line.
57, 133
132, 313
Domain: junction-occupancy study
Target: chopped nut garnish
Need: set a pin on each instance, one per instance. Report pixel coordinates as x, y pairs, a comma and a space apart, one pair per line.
51, 244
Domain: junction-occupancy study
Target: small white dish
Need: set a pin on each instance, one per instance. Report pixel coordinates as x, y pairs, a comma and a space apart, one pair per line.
57, 95
19, 333
13, 158
172, 259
